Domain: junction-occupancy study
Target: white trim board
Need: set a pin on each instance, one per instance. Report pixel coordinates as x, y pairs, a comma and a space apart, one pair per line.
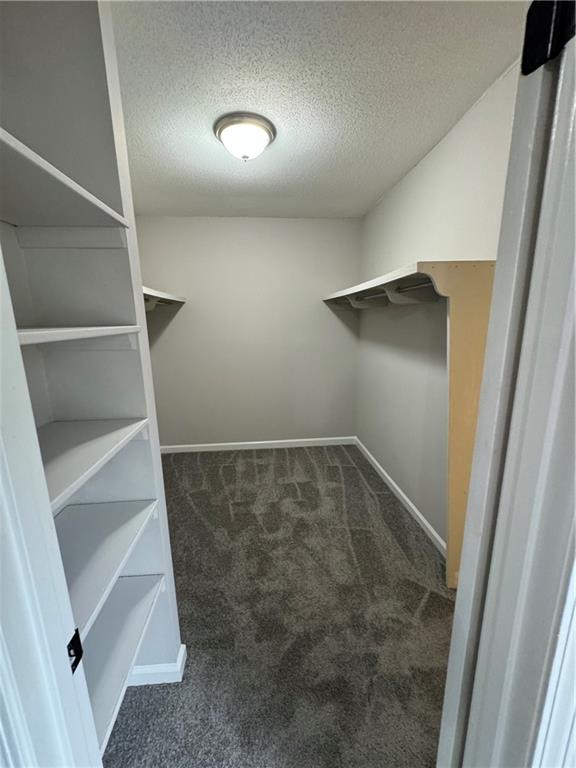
434, 537
152, 674
256, 444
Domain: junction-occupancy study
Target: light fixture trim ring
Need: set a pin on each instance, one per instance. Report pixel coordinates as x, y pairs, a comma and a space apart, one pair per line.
235, 118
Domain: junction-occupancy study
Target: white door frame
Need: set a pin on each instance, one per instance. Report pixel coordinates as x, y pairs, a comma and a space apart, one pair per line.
556, 743
519, 540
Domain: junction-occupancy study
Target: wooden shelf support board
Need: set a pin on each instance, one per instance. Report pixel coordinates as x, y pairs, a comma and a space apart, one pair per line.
467, 286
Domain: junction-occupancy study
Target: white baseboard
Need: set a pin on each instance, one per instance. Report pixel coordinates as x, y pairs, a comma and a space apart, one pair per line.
434, 537
304, 443
152, 674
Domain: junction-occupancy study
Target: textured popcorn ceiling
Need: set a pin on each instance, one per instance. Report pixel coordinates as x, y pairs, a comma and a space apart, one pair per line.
359, 92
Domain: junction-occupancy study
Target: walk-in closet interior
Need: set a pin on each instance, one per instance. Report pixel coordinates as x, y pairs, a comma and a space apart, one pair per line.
239, 397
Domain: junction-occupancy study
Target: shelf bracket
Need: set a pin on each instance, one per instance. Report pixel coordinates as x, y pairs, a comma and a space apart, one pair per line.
150, 304
369, 302
411, 294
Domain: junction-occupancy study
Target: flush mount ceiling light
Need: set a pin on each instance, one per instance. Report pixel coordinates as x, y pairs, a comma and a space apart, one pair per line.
244, 134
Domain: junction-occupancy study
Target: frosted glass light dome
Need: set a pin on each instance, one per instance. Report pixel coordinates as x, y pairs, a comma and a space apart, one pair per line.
244, 134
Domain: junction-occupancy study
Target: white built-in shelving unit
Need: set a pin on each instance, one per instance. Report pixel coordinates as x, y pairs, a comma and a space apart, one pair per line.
79, 452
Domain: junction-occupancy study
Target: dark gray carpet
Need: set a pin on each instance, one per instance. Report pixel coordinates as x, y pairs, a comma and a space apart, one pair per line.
315, 616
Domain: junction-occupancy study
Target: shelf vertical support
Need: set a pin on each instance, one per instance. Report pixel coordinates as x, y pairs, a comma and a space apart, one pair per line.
468, 288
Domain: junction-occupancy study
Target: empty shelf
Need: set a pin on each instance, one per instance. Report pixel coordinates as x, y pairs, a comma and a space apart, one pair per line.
73, 451
152, 298
112, 646
96, 540
47, 335
35, 193
401, 286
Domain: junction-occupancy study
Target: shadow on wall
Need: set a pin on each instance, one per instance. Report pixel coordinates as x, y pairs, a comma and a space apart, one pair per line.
402, 401
159, 319
348, 317
390, 327
408, 328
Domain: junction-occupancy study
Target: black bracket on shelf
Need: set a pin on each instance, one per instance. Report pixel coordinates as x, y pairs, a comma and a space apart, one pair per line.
75, 650
549, 26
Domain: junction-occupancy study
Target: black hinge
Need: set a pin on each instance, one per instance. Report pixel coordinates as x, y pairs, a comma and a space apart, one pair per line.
75, 650
549, 26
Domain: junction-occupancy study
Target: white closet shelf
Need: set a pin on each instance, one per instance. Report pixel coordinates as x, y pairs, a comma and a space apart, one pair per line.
73, 451
410, 284
152, 298
113, 644
35, 193
96, 541
49, 335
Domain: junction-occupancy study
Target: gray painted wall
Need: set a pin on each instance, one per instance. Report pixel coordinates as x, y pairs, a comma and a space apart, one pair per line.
402, 401
254, 354
448, 207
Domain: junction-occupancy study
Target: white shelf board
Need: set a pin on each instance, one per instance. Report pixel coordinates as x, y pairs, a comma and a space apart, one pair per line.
73, 451
161, 297
96, 541
48, 335
35, 193
113, 644
391, 277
